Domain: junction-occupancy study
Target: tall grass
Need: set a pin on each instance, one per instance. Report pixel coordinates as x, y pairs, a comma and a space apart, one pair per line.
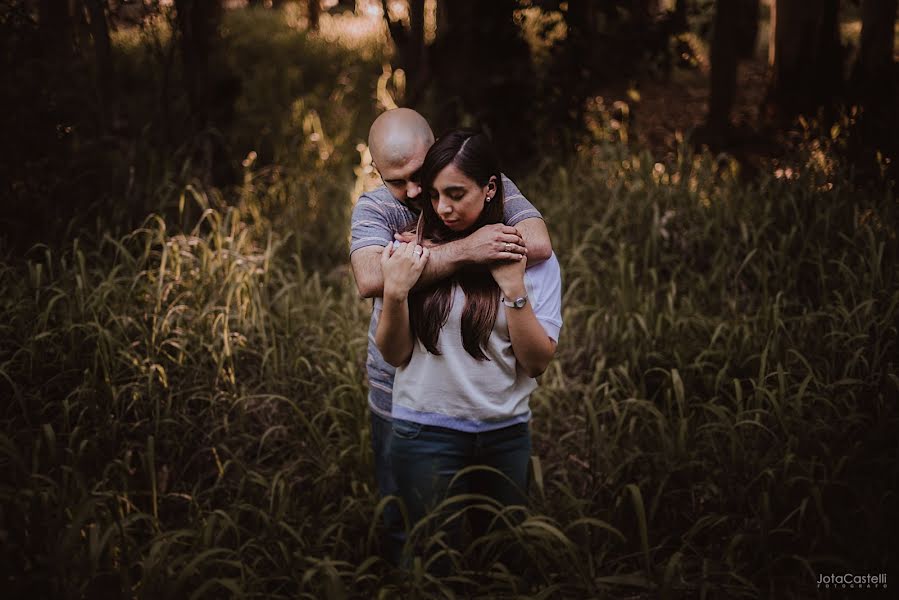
184, 409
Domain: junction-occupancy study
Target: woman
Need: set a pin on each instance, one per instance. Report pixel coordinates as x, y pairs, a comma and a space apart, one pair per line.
468, 348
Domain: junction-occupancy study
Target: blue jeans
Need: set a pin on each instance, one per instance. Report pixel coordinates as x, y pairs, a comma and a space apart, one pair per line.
381, 429
427, 458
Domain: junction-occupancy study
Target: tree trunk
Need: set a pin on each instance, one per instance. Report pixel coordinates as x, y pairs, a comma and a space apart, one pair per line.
874, 142
314, 10
483, 75
410, 48
680, 15
733, 38
198, 22
56, 27
807, 62
748, 27
873, 73
572, 78
102, 53
580, 18
643, 11
442, 16
416, 50
723, 62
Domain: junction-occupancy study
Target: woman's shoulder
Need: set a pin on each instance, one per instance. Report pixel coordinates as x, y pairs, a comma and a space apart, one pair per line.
549, 266
545, 273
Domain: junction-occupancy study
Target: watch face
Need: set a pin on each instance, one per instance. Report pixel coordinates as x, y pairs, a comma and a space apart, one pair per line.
519, 302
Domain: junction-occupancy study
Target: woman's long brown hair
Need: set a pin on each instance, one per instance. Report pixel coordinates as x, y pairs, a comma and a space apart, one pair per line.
472, 153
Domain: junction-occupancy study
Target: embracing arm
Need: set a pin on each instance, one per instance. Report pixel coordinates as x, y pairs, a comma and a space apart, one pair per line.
366, 263
487, 244
536, 238
529, 238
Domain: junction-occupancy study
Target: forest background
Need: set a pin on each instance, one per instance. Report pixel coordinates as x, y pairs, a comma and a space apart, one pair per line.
182, 382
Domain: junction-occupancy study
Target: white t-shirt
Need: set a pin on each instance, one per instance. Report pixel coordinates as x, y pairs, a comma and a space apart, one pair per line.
455, 390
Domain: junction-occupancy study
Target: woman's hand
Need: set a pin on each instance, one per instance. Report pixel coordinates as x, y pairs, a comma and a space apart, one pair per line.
401, 267
509, 276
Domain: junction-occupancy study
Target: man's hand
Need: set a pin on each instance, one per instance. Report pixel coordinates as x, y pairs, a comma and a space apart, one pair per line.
401, 268
493, 243
488, 244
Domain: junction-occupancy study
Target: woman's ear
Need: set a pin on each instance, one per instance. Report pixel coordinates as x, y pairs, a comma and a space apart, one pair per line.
490, 188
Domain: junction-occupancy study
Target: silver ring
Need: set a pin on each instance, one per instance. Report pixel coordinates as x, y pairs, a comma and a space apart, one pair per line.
508, 247
416, 252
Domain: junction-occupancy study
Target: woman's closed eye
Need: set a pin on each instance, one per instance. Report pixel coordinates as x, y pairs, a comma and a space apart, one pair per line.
453, 196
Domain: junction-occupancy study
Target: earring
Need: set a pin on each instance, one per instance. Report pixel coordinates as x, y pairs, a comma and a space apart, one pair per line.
488, 198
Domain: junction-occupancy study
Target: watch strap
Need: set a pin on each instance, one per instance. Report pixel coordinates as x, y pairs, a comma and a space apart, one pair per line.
517, 303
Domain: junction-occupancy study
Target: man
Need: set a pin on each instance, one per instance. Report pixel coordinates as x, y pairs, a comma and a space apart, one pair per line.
398, 141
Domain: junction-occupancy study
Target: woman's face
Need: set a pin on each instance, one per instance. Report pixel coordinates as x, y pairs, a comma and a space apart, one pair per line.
457, 199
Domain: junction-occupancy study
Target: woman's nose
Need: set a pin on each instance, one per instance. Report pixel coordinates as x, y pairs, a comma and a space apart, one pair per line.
444, 207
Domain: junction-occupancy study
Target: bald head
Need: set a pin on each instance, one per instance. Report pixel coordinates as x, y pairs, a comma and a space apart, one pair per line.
398, 141
397, 136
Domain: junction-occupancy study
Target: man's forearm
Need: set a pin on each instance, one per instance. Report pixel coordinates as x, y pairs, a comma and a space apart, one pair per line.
536, 238
445, 260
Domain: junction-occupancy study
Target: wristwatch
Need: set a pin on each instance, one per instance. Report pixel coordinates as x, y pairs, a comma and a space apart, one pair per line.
517, 303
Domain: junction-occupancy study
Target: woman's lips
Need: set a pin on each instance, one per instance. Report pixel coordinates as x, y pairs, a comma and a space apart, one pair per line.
450, 222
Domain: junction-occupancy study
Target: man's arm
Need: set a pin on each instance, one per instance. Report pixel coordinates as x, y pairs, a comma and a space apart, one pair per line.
518, 211
371, 230
529, 238
486, 245
445, 260
366, 263
536, 238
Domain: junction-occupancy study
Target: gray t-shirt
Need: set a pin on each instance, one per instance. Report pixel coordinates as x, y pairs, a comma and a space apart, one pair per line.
376, 217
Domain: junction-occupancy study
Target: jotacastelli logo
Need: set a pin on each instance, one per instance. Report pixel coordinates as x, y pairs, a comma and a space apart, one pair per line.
868, 581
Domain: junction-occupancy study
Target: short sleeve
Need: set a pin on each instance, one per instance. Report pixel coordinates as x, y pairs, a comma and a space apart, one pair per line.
544, 285
370, 225
516, 207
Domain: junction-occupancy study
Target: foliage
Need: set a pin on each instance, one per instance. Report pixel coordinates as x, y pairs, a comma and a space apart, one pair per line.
300, 106
185, 409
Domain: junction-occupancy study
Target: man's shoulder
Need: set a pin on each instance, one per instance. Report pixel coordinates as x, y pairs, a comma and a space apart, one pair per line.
510, 190
380, 194
381, 201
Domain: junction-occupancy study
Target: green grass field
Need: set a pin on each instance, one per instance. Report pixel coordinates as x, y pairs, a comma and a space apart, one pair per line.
185, 405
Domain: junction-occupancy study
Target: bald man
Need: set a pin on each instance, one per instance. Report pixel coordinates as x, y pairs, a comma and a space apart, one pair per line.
399, 140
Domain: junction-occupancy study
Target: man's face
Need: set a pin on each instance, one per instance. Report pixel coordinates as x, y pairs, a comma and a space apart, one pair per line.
402, 177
